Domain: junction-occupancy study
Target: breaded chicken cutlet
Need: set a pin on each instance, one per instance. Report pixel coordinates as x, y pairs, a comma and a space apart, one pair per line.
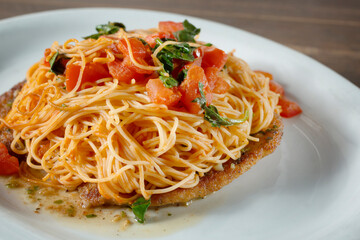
213, 181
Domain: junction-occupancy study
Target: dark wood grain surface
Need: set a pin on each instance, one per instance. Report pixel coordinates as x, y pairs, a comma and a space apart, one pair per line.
326, 30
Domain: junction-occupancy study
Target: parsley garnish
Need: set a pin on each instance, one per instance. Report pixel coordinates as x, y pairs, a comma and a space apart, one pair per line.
188, 34
32, 190
211, 114
139, 208
91, 215
106, 29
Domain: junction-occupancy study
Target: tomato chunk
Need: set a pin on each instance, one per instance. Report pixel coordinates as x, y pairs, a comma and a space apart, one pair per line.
275, 87
189, 88
213, 57
138, 48
141, 53
46, 54
150, 39
119, 70
217, 84
289, 108
160, 94
92, 72
170, 26
8, 164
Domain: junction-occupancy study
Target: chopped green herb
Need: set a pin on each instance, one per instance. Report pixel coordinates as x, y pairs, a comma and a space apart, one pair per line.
274, 128
91, 215
169, 82
143, 41
123, 214
56, 64
13, 184
106, 29
182, 75
9, 103
169, 214
166, 56
245, 149
58, 201
211, 114
208, 44
170, 52
188, 34
32, 190
71, 211
139, 208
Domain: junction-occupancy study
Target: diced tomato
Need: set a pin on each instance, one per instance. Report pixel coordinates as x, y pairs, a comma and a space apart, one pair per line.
217, 84
213, 57
8, 164
289, 108
275, 87
189, 88
179, 65
46, 54
170, 26
119, 70
160, 94
114, 48
141, 53
199, 52
196, 62
150, 39
92, 72
266, 74
138, 48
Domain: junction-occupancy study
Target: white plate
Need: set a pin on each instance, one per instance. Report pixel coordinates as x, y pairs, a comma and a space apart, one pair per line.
308, 189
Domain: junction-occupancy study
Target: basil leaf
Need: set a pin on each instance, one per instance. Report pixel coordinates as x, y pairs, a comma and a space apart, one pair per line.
211, 114
106, 29
139, 208
169, 82
167, 62
56, 64
181, 76
188, 34
167, 55
143, 41
170, 52
181, 51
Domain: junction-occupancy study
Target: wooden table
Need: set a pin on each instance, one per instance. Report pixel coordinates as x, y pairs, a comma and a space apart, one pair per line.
328, 31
